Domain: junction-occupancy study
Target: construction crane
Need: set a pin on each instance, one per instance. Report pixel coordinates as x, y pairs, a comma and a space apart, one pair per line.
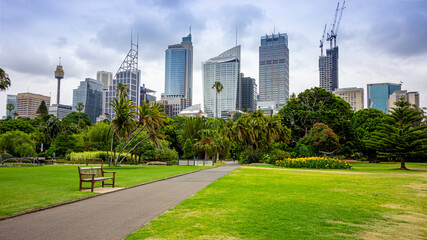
322, 40
332, 33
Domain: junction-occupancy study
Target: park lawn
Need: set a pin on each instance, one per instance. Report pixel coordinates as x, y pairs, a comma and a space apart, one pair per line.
369, 202
25, 188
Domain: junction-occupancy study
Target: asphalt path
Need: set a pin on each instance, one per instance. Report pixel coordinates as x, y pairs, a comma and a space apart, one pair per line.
110, 216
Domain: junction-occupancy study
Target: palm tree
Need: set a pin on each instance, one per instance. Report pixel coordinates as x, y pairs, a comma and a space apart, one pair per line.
79, 108
4, 80
208, 143
10, 107
218, 89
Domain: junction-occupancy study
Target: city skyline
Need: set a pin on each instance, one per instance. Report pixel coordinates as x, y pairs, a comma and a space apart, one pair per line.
379, 41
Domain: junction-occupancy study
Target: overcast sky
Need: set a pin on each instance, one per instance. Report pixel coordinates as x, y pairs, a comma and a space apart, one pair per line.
379, 40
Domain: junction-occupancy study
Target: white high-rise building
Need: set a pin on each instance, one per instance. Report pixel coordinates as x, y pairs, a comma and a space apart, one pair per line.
354, 96
225, 68
106, 78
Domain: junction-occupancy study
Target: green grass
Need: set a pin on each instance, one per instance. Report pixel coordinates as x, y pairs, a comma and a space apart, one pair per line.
370, 201
25, 188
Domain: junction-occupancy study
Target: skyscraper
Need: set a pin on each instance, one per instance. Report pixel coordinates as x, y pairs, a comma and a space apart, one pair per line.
411, 97
378, 94
90, 93
28, 103
11, 99
328, 70
129, 75
106, 78
249, 93
274, 69
225, 68
179, 75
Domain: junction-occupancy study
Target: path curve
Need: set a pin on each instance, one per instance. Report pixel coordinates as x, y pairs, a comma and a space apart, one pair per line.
110, 216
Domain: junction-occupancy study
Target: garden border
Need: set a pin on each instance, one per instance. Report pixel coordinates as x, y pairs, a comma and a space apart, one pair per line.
92, 196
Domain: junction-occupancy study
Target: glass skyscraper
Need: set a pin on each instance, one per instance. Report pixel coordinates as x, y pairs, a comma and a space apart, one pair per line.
11, 99
90, 93
249, 93
224, 68
274, 69
378, 94
179, 75
105, 78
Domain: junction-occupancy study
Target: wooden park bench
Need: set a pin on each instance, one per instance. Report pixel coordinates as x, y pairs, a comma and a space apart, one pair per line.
94, 174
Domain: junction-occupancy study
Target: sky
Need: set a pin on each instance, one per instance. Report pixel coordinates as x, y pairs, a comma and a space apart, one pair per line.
379, 40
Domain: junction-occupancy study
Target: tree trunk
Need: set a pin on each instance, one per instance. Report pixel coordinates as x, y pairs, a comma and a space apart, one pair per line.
206, 156
402, 163
372, 156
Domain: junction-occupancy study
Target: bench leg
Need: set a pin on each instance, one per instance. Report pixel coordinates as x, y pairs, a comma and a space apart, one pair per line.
80, 187
93, 183
102, 183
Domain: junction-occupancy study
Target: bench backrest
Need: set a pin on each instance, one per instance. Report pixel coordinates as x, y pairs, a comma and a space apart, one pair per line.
98, 171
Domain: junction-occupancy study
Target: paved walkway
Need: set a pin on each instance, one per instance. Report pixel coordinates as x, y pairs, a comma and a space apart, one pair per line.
110, 216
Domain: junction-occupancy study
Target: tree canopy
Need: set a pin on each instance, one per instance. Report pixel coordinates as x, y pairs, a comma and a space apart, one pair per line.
42, 110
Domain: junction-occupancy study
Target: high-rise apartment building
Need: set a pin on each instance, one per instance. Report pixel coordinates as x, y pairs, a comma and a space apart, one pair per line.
129, 75
249, 93
28, 103
11, 99
179, 75
328, 70
411, 97
89, 92
60, 110
225, 68
105, 78
354, 96
147, 95
274, 69
378, 94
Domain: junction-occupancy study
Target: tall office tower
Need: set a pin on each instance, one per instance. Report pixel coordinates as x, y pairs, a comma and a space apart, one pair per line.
28, 103
249, 93
106, 78
354, 96
378, 94
411, 97
179, 75
328, 70
225, 68
89, 93
129, 75
274, 69
11, 99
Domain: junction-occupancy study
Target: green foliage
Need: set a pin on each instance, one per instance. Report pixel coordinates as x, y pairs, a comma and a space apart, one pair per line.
317, 105
322, 138
188, 150
313, 162
274, 155
4, 80
65, 143
17, 143
402, 133
16, 125
75, 117
166, 154
237, 115
302, 150
42, 110
97, 136
365, 122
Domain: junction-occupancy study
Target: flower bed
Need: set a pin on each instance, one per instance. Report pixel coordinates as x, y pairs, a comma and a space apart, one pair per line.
313, 162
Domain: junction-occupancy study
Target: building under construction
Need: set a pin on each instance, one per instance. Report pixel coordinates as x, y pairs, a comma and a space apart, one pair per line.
328, 65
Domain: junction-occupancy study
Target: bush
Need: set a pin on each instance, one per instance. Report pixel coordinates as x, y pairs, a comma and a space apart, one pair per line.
322, 137
166, 155
18, 144
275, 154
313, 162
302, 150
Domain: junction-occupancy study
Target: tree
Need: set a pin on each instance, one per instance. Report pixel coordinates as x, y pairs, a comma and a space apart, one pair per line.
218, 89
17, 143
16, 125
322, 138
208, 143
75, 117
10, 107
317, 105
4, 80
188, 150
402, 133
237, 115
79, 107
42, 110
365, 122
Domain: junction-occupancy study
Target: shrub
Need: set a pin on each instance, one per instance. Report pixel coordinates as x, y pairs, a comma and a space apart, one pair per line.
166, 155
313, 162
18, 144
322, 138
302, 150
275, 155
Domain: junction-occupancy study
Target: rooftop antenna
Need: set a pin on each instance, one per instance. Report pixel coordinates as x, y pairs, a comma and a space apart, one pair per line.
59, 61
190, 29
274, 29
